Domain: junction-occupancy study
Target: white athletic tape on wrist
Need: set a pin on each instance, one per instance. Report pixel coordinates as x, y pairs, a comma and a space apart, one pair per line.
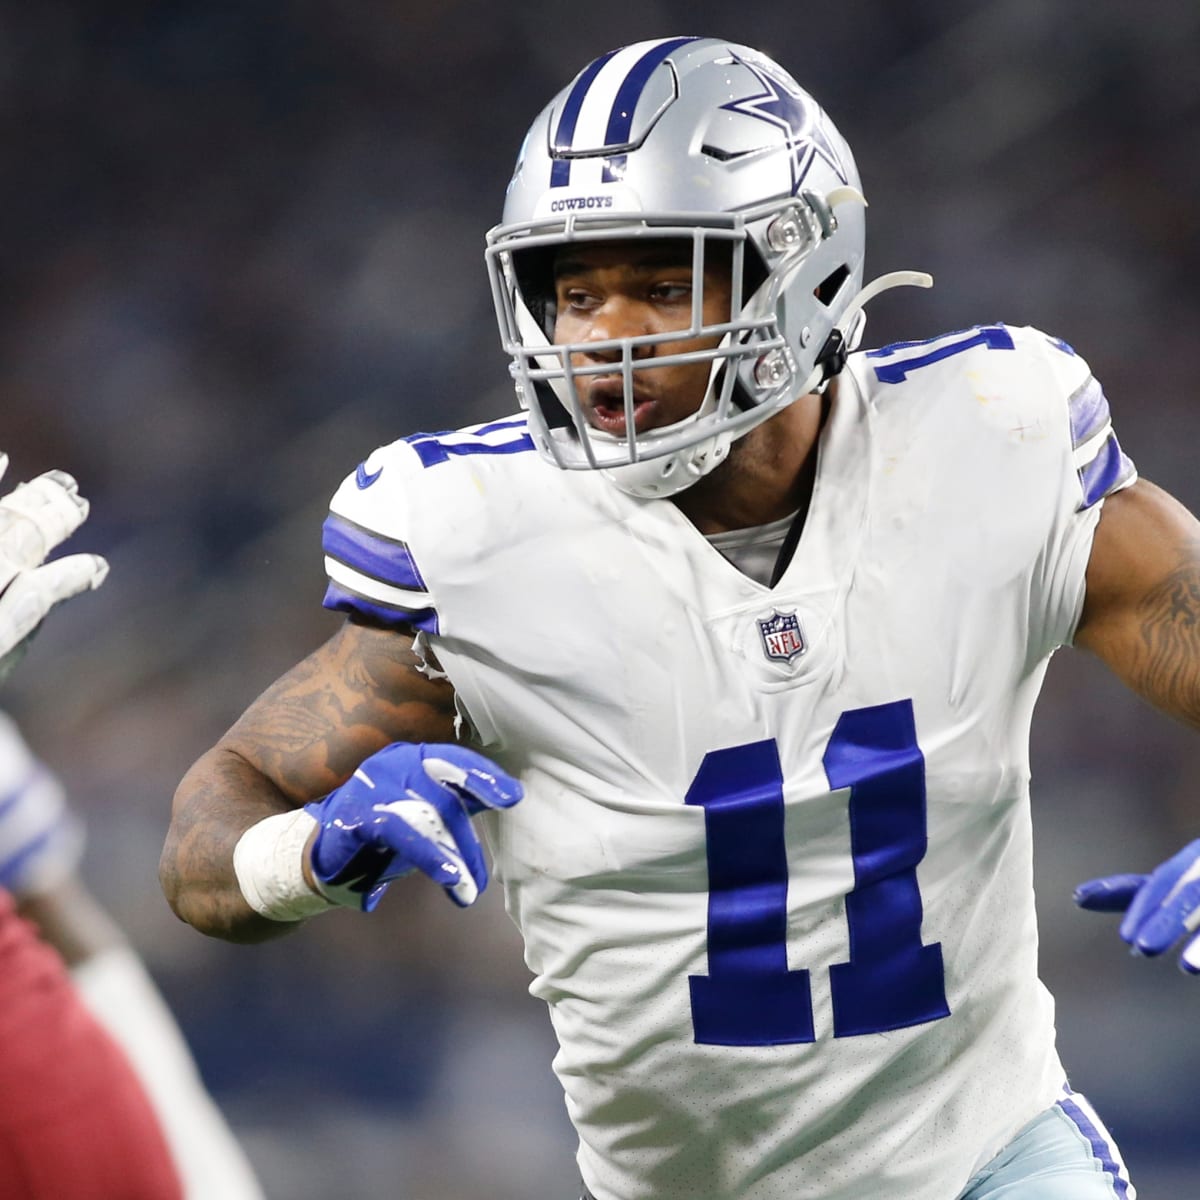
269, 864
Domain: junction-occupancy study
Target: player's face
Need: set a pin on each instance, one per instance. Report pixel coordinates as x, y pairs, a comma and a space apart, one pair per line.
608, 290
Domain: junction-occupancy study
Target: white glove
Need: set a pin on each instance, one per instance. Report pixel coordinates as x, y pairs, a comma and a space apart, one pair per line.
35, 518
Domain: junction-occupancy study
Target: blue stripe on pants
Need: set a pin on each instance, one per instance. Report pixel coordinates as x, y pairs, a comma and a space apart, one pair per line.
1063, 1154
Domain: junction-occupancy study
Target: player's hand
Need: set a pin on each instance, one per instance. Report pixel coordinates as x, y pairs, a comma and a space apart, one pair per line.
407, 808
36, 517
1160, 908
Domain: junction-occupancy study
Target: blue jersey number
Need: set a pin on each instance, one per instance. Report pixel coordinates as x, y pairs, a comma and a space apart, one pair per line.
749, 997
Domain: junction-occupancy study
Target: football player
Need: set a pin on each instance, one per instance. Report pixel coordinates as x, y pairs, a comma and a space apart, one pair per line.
74, 1118
99, 1096
41, 845
730, 639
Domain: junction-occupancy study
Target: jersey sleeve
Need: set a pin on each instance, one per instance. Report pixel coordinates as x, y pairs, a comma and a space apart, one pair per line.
41, 838
1100, 464
366, 538
1094, 468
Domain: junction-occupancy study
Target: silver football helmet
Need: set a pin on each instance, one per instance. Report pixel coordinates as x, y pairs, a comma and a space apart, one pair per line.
712, 143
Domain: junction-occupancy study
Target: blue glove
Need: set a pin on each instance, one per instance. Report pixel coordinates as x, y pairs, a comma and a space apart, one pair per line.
1159, 908
407, 807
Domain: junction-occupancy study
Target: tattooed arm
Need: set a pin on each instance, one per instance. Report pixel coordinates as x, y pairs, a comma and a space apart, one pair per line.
1142, 618
1142, 612
303, 737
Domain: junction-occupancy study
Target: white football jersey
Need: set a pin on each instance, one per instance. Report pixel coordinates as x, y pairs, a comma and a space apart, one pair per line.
773, 865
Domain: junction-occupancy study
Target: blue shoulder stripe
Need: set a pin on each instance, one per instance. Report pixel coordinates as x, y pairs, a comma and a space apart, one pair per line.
1107, 472
1107, 468
9, 799
385, 559
1089, 411
343, 599
12, 868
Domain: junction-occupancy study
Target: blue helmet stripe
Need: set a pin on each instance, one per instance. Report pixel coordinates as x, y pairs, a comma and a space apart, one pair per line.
620, 119
560, 172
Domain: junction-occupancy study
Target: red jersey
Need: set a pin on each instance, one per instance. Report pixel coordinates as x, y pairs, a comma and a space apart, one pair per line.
74, 1120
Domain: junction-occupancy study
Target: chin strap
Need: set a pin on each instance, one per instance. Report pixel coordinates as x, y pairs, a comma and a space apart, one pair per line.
847, 333
884, 283
832, 358
661, 478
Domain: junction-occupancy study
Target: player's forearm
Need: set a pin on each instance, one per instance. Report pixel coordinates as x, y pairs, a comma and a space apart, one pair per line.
217, 801
1166, 666
1142, 612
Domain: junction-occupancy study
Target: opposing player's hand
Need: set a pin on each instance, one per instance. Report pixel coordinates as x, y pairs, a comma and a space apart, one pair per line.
36, 517
1160, 908
407, 808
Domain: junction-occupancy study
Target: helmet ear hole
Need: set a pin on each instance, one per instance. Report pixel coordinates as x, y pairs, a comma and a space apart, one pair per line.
754, 271
826, 291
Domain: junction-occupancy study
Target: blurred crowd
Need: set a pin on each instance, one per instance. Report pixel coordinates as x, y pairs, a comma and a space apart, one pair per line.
243, 245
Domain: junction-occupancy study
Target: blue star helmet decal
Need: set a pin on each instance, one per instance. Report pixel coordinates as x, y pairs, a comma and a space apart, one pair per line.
780, 104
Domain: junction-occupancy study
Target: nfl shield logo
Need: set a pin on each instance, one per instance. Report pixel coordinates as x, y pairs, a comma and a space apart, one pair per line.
781, 637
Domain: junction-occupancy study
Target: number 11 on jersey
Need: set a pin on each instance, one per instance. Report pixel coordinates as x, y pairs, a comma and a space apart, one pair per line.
749, 997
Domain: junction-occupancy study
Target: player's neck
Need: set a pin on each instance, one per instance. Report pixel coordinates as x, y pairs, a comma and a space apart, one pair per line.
768, 475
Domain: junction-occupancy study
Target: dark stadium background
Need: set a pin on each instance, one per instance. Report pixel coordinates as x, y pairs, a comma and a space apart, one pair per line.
242, 245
